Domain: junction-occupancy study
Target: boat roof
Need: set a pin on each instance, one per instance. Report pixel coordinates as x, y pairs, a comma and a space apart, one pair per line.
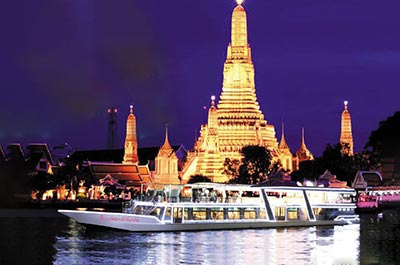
244, 187
222, 186
306, 188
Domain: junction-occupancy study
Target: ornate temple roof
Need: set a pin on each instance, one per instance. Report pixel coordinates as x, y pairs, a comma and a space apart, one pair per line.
166, 149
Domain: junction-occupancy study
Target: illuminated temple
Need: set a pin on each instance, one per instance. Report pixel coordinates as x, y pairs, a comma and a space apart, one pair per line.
236, 121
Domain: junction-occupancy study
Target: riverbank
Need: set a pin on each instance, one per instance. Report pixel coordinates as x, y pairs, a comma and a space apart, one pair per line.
49, 209
29, 213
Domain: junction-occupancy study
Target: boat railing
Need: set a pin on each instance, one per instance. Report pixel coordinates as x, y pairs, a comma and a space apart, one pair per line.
389, 197
349, 219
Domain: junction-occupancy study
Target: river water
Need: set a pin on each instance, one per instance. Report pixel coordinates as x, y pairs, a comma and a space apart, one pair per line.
44, 237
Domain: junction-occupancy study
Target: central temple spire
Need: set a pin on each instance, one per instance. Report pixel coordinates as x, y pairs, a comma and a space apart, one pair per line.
238, 47
236, 120
239, 27
238, 99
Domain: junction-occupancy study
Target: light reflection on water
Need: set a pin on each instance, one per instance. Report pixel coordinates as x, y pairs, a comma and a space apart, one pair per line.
323, 245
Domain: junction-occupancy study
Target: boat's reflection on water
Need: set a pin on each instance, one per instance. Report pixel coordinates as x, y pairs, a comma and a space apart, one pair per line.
312, 245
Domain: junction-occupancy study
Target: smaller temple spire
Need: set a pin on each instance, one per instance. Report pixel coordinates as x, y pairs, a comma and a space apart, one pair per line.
283, 144
166, 132
346, 136
285, 156
303, 142
166, 149
212, 115
166, 146
303, 153
131, 144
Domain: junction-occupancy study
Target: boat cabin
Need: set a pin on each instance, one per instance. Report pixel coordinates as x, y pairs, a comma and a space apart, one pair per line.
264, 204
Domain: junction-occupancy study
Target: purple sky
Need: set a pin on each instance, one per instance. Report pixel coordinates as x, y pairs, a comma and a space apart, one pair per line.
64, 63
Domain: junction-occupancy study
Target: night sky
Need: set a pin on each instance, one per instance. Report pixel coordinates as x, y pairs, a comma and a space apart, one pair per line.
64, 63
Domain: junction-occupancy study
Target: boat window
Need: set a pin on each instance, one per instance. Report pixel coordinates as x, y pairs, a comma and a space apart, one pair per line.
146, 209
233, 213
217, 214
223, 213
280, 213
319, 213
297, 213
251, 213
199, 213
178, 214
262, 213
329, 197
168, 214
292, 213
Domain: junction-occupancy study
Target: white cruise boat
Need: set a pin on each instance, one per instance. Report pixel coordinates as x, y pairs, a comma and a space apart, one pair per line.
247, 207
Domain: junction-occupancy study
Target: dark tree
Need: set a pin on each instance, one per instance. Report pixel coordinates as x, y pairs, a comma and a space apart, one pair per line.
255, 164
383, 142
198, 178
363, 161
309, 169
231, 168
341, 165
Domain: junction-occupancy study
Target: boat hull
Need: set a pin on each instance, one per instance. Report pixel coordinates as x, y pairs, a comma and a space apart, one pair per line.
140, 223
